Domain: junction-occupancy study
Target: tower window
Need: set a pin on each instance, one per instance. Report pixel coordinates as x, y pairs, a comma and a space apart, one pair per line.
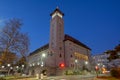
60, 55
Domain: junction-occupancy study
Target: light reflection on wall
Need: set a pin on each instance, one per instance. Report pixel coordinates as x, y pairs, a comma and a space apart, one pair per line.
81, 56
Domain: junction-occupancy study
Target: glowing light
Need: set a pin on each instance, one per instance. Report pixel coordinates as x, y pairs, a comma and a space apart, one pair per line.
62, 65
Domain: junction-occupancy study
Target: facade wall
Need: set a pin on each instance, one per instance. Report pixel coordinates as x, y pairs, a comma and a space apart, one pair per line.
101, 60
37, 62
72, 54
75, 55
56, 45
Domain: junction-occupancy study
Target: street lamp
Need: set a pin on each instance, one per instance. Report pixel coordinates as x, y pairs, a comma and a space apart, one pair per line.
86, 65
23, 66
76, 61
3, 66
8, 68
43, 55
86, 62
17, 67
8, 65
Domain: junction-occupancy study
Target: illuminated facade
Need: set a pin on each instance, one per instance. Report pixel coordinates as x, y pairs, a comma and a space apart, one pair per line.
62, 50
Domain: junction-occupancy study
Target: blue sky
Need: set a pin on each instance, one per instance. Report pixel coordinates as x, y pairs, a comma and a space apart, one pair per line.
96, 23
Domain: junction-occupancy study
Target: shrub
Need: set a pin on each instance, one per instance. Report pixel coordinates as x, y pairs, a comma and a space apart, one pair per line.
69, 72
115, 72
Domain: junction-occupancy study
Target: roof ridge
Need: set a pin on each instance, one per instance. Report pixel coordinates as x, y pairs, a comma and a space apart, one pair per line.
68, 37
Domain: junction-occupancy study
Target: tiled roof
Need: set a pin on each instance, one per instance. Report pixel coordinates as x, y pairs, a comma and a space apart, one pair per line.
40, 49
67, 37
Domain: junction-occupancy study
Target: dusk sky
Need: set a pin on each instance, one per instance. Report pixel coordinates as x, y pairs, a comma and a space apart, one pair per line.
95, 23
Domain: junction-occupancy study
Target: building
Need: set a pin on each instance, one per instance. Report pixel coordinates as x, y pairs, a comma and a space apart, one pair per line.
63, 52
101, 60
116, 61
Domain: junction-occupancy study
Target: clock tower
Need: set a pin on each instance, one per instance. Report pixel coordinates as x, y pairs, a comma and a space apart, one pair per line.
56, 44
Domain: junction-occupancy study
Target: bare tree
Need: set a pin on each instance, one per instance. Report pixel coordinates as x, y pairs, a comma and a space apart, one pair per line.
12, 40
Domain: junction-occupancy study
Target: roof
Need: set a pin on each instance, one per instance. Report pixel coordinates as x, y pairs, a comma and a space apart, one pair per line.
40, 49
57, 10
67, 37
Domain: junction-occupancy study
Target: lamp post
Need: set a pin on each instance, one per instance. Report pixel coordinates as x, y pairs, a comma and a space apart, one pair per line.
11, 69
17, 68
8, 65
43, 56
23, 68
86, 62
86, 65
42, 64
76, 61
8, 68
3, 67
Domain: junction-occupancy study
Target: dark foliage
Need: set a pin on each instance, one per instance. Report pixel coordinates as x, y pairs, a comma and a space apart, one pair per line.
115, 72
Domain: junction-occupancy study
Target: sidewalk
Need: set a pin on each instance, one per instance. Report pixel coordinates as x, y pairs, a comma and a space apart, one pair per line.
99, 79
69, 77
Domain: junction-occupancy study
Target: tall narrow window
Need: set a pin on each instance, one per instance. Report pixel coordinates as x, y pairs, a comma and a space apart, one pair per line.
60, 55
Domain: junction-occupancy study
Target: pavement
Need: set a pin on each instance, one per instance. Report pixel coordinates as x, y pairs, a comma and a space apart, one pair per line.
68, 77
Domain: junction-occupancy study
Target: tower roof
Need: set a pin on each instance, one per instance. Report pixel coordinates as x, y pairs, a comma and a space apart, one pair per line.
57, 10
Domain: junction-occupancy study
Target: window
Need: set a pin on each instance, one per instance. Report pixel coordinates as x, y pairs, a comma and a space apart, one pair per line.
60, 55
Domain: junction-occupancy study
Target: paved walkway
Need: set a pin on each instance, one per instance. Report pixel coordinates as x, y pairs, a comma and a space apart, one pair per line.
69, 77
61, 79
